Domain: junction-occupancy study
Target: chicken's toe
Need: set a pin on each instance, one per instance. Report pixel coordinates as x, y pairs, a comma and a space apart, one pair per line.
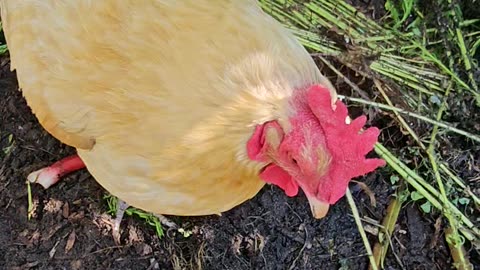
121, 207
167, 222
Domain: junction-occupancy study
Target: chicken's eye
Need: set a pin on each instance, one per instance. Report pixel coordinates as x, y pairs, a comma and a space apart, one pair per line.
294, 161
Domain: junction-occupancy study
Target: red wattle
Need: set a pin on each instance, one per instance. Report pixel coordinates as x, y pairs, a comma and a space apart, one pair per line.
273, 174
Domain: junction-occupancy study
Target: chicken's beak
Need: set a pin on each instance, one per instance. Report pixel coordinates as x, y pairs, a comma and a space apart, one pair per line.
319, 208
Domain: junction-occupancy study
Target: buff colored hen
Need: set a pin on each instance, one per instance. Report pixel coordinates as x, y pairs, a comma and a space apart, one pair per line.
183, 107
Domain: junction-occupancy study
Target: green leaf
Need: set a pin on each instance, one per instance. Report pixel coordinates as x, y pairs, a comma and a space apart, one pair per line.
394, 179
3, 49
416, 196
426, 207
389, 6
9, 148
416, 32
464, 201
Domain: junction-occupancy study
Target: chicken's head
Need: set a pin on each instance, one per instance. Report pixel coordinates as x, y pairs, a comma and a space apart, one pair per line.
320, 150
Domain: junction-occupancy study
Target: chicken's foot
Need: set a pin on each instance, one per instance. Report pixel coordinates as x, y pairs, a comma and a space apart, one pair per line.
50, 175
121, 207
167, 222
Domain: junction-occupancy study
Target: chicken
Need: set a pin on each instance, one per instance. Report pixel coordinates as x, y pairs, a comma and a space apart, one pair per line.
184, 107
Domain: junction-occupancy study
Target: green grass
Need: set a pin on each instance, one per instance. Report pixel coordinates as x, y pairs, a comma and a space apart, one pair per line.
399, 10
408, 55
3, 47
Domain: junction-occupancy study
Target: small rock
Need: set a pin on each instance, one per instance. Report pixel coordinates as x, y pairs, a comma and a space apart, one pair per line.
76, 264
65, 210
144, 249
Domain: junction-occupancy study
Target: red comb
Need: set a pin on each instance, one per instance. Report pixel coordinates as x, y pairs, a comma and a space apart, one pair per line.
346, 143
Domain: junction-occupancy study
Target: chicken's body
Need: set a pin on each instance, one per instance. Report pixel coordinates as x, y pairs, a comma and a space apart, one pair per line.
159, 97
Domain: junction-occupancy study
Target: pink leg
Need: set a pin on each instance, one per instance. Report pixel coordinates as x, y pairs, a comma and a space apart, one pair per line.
50, 175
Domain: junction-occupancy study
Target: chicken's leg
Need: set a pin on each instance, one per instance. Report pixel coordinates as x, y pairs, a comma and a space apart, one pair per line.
121, 207
50, 175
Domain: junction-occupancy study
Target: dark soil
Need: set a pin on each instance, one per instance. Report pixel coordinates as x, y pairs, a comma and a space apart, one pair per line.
270, 231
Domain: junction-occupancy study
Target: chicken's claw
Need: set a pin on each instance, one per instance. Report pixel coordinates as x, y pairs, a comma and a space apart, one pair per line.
167, 222
121, 207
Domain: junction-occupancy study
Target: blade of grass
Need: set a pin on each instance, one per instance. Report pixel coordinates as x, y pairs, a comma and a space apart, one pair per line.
388, 225
29, 200
358, 221
470, 231
452, 236
459, 255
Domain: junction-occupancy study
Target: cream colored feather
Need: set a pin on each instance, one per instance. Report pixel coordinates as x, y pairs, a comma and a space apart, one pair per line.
159, 97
